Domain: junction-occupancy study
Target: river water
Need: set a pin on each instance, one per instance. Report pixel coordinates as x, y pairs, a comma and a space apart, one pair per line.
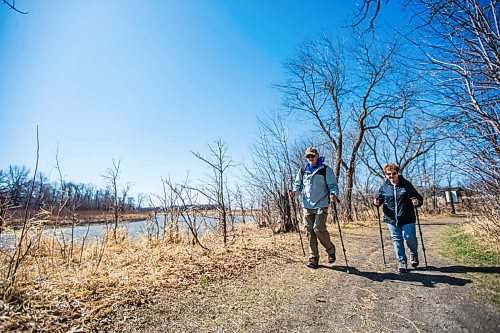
134, 229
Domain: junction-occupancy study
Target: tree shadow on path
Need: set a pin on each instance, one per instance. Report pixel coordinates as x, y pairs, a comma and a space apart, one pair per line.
427, 280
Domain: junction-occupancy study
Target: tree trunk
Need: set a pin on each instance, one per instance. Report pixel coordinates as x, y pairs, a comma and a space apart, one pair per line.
349, 181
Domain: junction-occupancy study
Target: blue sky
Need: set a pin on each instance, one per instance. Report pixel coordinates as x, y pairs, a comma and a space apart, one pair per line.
146, 82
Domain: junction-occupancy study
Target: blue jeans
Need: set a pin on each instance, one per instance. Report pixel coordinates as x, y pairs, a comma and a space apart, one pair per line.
398, 234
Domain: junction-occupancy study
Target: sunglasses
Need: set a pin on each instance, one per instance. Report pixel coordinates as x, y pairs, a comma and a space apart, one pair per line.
310, 156
391, 173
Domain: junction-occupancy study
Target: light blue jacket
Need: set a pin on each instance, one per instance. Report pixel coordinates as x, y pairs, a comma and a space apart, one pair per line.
311, 183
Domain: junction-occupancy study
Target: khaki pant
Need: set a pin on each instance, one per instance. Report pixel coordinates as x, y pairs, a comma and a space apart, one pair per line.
315, 226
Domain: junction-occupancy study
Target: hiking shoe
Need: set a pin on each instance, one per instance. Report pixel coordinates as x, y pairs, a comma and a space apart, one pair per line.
402, 267
414, 260
331, 257
313, 262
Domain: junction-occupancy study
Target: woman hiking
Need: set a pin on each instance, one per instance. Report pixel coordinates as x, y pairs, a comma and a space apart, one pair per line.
399, 198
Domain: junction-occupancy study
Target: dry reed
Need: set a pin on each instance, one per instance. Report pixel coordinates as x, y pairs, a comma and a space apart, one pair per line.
81, 293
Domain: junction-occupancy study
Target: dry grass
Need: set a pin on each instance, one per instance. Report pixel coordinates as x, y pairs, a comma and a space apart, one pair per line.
485, 231
56, 294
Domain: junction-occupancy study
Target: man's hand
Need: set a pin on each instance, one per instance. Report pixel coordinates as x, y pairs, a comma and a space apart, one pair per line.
333, 198
291, 193
377, 202
415, 201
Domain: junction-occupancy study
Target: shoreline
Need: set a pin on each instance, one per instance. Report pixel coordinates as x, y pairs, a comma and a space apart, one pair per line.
64, 221
91, 217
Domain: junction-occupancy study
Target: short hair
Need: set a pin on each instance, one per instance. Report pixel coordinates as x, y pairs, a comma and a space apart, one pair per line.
391, 166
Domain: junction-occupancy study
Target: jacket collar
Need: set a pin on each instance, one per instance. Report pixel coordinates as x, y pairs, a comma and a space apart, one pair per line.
311, 169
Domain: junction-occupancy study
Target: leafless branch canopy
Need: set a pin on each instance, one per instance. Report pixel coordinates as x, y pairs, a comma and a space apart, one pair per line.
348, 90
215, 189
13, 6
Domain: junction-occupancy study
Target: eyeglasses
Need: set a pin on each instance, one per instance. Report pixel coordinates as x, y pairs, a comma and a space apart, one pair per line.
391, 174
310, 156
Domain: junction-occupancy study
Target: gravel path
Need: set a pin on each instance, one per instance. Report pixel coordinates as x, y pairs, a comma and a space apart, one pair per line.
282, 295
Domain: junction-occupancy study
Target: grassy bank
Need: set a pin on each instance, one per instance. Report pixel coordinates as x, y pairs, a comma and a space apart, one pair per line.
82, 289
482, 260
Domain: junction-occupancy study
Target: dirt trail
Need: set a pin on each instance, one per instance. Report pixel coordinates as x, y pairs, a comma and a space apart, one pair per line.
282, 295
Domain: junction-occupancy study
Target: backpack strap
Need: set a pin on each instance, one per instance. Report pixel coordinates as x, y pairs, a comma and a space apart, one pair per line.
321, 171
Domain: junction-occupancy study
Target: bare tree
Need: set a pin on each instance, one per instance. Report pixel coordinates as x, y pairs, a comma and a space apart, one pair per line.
275, 164
170, 209
215, 188
185, 198
348, 91
460, 43
112, 176
55, 196
18, 184
464, 52
400, 141
141, 197
240, 201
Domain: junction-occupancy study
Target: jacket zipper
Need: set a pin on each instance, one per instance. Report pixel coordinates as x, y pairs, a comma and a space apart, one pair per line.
395, 205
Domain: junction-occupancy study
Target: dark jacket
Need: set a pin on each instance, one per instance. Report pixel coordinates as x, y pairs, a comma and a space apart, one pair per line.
398, 198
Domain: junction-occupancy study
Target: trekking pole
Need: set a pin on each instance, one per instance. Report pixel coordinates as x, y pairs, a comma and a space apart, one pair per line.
421, 237
381, 238
336, 216
297, 225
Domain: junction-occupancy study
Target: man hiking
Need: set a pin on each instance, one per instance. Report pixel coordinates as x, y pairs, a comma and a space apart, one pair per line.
318, 186
399, 196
